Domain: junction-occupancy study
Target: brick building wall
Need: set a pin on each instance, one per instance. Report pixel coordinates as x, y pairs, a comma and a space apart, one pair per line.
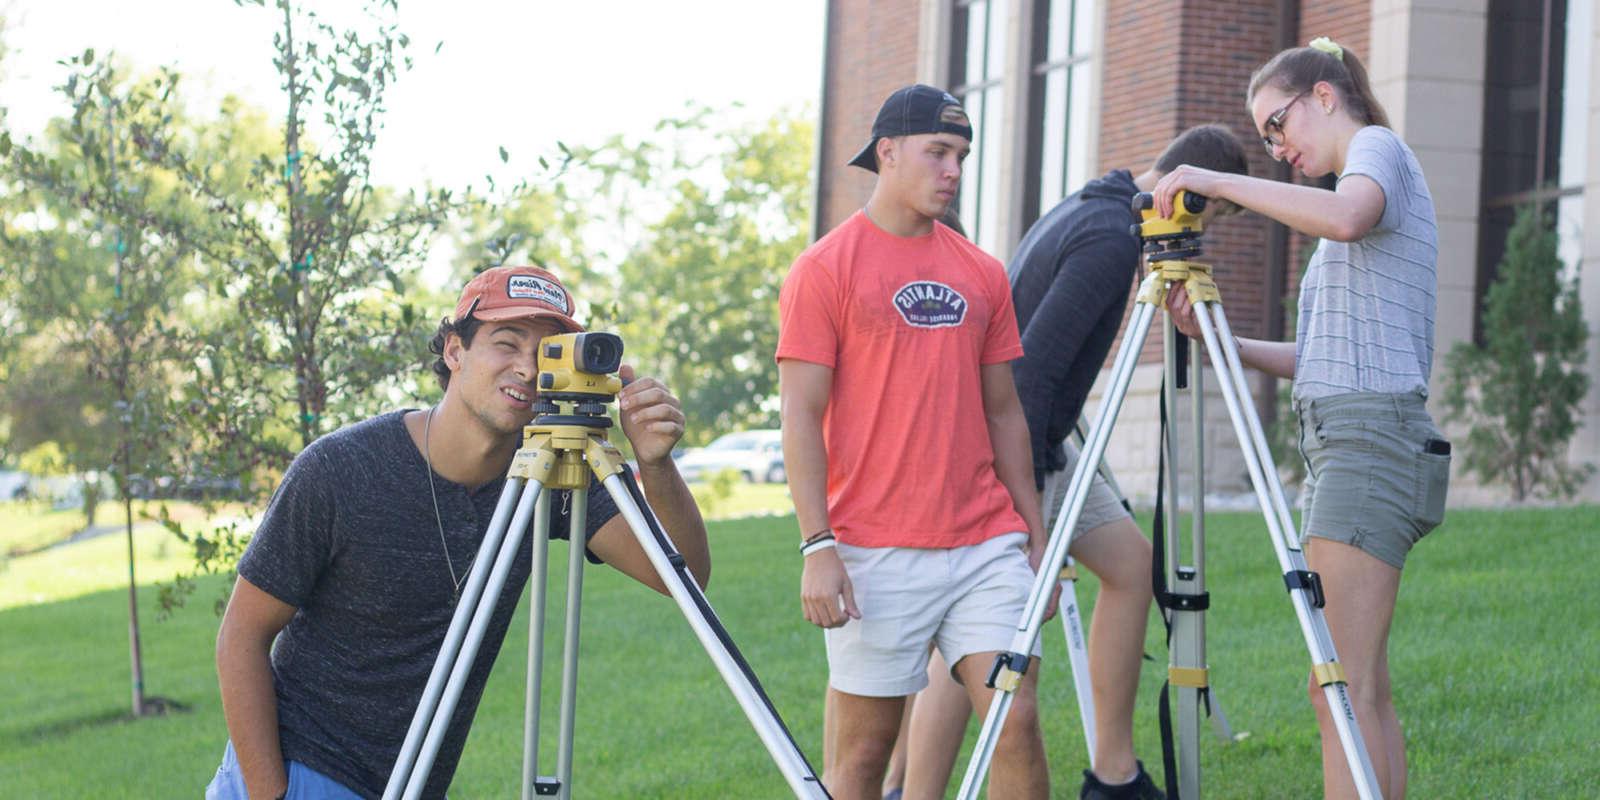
1149, 97
871, 51
1348, 22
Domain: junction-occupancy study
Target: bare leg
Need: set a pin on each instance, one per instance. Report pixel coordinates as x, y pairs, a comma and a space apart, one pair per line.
1018, 769
1120, 555
895, 778
862, 733
830, 721
938, 724
1394, 738
1360, 592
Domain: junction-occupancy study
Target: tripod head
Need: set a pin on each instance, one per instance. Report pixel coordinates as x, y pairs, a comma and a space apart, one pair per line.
1174, 237
1169, 244
576, 380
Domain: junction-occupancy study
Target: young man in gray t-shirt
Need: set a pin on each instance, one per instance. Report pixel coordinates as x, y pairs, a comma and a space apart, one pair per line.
362, 553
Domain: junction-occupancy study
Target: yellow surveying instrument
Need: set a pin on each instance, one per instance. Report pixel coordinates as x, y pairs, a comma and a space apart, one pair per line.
1169, 244
561, 448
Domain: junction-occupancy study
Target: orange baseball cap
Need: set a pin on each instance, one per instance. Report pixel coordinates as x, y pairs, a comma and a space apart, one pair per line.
503, 293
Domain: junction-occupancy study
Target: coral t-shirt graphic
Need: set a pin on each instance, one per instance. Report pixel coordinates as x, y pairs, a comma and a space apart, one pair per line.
930, 304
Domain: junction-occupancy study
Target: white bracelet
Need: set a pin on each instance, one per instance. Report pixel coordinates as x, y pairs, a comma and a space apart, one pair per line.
820, 544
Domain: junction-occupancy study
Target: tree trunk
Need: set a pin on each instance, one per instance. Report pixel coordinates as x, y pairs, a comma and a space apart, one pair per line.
124, 361
137, 659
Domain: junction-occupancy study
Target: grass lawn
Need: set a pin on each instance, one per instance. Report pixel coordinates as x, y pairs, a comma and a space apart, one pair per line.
1492, 658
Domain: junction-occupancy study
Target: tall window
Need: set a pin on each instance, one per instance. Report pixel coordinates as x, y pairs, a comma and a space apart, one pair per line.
1536, 93
1063, 35
977, 77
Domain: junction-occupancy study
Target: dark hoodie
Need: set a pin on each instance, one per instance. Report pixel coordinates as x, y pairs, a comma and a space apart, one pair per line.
1070, 279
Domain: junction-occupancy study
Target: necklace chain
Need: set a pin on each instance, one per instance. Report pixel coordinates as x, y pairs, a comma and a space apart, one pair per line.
427, 457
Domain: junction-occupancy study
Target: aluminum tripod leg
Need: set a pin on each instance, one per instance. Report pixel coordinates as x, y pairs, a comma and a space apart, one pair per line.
538, 578
1072, 620
484, 587
1213, 705
532, 783
1077, 651
1305, 589
569, 647
462, 639
713, 637
1187, 671
1008, 670
669, 566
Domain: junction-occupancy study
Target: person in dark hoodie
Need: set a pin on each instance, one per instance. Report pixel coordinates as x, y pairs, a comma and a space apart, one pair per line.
1070, 279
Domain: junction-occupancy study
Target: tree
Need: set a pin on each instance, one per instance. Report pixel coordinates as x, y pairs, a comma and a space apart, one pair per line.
697, 292
296, 270
539, 222
307, 266
1518, 392
680, 244
96, 288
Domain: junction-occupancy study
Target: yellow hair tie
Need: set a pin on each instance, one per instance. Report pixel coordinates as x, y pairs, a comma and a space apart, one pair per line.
1328, 46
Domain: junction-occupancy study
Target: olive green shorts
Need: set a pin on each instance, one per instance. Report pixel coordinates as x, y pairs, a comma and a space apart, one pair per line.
1377, 471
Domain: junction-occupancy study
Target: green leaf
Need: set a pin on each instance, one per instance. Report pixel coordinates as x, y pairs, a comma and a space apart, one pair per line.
504, 156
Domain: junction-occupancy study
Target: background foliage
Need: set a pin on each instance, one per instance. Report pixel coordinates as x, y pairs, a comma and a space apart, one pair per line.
1519, 390
197, 293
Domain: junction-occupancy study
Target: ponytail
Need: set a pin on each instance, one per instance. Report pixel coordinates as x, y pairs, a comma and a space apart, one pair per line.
1298, 69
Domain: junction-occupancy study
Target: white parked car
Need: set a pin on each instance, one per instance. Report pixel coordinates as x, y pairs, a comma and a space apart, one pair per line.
755, 455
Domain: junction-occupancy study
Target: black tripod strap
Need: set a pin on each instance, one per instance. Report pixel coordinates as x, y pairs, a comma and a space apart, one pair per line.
1158, 585
681, 570
1169, 753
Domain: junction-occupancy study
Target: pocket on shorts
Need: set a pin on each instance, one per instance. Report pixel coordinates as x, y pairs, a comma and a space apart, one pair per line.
1347, 433
1433, 486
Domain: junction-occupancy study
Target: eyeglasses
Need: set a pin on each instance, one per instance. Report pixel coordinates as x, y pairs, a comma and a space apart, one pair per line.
1274, 125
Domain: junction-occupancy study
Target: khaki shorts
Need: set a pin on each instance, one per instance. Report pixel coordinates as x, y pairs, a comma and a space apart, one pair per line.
965, 600
1375, 477
1100, 508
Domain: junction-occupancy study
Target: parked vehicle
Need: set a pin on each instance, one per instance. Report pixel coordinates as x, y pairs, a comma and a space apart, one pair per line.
756, 455
13, 485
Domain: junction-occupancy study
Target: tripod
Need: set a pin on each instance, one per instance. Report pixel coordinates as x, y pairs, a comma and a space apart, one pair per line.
1072, 621
560, 449
1169, 243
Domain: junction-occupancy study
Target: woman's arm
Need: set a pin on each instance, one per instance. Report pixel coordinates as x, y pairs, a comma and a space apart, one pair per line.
1273, 358
1343, 215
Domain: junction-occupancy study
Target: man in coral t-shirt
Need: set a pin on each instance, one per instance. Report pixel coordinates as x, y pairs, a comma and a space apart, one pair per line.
908, 454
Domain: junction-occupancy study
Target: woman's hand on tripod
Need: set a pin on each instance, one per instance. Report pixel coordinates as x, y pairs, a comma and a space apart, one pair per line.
826, 596
1181, 311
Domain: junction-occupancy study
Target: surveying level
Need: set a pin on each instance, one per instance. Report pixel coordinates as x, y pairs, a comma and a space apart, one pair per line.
561, 448
1169, 243
578, 366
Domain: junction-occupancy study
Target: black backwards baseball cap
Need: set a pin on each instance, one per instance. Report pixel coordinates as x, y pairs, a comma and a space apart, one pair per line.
914, 109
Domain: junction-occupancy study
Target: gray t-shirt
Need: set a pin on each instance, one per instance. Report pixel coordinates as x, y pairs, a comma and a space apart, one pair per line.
1367, 307
351, 542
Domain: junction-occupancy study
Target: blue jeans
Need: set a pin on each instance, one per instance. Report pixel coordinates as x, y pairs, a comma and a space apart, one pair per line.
305, 783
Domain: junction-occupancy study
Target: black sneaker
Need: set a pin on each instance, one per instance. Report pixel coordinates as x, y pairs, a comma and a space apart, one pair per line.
1140, 788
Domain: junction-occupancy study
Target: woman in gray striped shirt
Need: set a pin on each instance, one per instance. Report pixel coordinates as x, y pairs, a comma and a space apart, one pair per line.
1378, 467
